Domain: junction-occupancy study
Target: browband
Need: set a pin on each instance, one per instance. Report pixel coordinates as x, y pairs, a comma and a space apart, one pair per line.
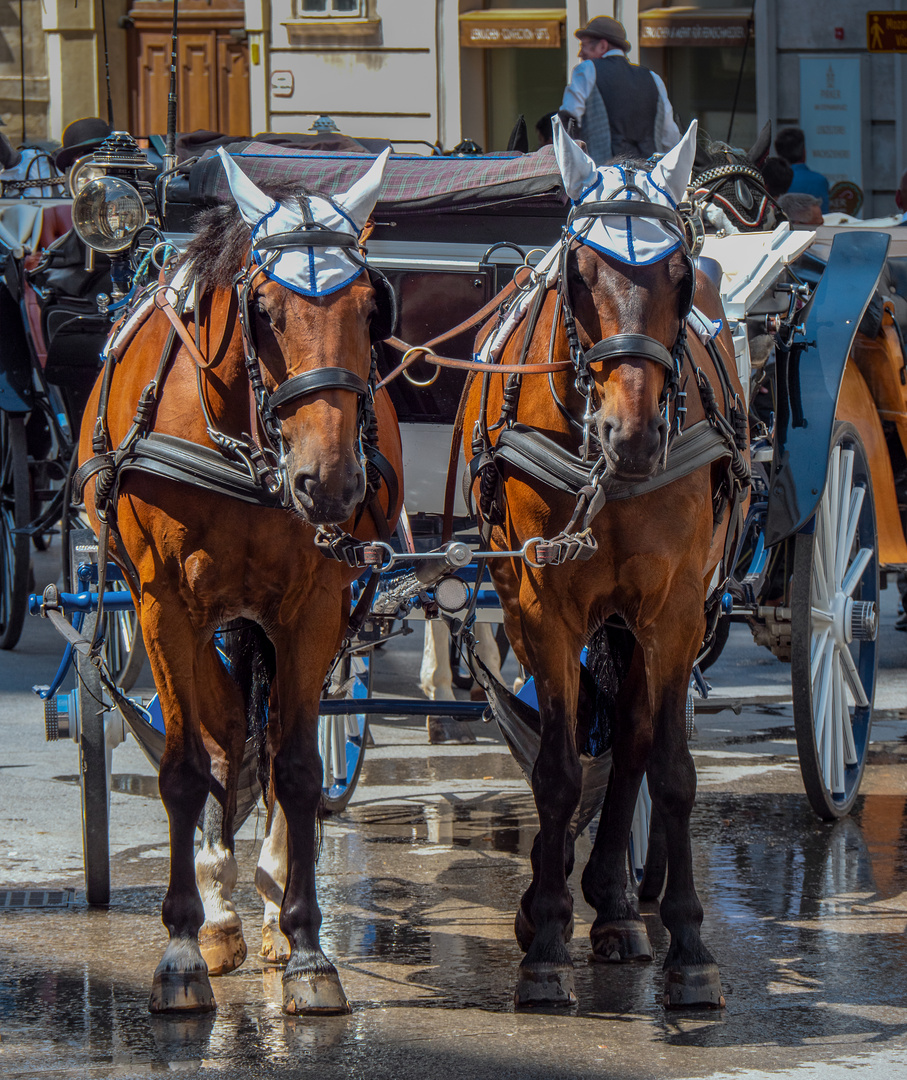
300, 238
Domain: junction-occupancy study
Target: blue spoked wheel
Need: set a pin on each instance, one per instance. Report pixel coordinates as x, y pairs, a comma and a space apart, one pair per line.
834, 630
342, 738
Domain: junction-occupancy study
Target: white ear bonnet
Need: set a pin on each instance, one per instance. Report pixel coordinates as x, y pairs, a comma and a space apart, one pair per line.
634, 240
314, 270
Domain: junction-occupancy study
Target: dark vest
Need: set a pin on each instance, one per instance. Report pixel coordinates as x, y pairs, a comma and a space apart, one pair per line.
631, 98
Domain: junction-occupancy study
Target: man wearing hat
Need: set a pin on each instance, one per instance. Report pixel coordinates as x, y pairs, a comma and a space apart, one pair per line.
622, 109
81, 137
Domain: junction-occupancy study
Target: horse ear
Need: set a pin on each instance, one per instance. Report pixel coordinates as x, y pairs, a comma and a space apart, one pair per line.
577, 169
253, 204
674, 169
360, 200
758, 152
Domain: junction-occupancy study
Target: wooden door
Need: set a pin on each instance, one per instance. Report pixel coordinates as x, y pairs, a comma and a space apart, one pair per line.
212, 68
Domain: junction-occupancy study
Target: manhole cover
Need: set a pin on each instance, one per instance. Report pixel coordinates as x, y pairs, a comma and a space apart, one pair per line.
35, 898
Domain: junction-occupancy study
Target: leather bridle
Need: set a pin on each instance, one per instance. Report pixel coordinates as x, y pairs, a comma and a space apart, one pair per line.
621, 346
262, 254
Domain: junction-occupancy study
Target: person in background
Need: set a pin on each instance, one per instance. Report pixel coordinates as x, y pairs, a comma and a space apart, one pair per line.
778, 176
802, 211
622, 108
543, 130
790, 143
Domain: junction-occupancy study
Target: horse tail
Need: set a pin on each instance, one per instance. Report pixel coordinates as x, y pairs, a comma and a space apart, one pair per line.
608, 657
251, 661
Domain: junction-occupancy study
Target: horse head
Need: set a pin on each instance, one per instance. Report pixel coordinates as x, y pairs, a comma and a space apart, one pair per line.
729, 188
627, 278
310, 309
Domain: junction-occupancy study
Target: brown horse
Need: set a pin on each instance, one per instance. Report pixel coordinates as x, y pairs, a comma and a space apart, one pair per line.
230, 425
648, 516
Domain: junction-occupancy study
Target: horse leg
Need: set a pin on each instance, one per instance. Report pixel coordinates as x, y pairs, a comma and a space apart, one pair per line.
691, 976
310, 983
221, 938
546, 972
523, 927
619, 933
270, 880
199, 688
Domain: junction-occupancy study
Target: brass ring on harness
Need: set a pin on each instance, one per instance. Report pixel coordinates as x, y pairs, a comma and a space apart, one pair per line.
532, 251
406, 374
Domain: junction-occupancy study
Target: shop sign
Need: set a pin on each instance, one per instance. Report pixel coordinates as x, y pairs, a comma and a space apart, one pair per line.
886, 31
831, 116
664, 27
509, 34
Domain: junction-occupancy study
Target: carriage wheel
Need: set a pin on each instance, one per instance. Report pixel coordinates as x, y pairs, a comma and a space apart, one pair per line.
15, 503
94, 764
342, 739
834, 630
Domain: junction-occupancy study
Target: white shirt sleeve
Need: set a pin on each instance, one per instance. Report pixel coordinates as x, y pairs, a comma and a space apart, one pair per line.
582, 81
669, 134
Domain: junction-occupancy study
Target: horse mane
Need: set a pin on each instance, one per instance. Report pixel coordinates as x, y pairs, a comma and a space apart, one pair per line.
221, 239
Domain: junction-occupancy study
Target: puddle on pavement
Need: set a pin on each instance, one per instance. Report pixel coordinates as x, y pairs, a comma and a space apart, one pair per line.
125, 784
806, 918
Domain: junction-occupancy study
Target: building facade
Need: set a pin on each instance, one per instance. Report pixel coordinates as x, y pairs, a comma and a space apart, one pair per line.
426, 73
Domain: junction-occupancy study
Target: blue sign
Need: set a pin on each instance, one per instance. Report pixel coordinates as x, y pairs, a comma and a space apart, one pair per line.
831, 116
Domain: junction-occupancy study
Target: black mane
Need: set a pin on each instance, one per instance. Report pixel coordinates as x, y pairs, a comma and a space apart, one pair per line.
221, 240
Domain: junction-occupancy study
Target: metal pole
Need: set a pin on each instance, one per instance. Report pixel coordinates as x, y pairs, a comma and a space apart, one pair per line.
170, 159
107, 65
22, 61
746, 45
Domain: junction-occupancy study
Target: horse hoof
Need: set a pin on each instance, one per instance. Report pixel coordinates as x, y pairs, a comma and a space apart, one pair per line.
275, 949
222, 949
621, 942
694, 987
308, 994
181, 992
545, 984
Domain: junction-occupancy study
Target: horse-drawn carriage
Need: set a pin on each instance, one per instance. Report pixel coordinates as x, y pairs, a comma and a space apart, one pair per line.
449, 237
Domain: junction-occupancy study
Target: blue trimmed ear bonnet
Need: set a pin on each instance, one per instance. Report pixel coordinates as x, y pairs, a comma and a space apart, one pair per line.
312, 271
634, 240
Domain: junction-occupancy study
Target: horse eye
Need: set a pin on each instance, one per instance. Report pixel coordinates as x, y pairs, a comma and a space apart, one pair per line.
260, 310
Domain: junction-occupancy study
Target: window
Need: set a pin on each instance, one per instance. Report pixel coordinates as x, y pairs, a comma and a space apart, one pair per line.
313, 8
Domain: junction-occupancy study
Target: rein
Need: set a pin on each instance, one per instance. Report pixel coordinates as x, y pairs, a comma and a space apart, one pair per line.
237, 468
585, 474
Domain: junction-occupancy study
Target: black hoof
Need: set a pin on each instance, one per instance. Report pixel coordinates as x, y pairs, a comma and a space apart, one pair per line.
694, 987
621, 942
545, 985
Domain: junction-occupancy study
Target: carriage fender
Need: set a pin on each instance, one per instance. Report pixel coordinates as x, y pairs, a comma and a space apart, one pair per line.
16, 387
857, 406
809, 377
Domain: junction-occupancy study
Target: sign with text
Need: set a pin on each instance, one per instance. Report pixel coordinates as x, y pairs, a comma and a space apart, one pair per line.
685, 27
886, 31
510, 33
831, 116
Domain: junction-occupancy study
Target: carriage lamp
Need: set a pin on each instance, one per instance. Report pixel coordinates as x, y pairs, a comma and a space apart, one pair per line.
108, 214
111, 209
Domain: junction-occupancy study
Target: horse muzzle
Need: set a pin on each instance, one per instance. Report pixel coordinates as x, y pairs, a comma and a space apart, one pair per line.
327, 499
633, 451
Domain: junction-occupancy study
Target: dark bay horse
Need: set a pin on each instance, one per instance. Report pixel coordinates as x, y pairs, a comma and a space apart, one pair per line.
236, 415
599, 462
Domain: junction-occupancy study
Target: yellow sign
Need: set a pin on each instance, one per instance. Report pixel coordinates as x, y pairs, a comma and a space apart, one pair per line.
886, 31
